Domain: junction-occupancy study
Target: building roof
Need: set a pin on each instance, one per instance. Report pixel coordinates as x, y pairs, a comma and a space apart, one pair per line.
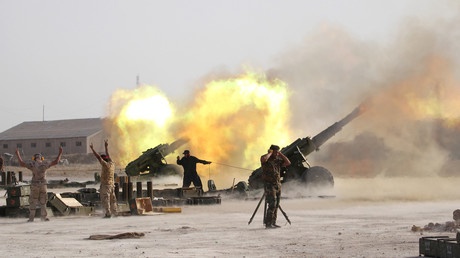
53, 129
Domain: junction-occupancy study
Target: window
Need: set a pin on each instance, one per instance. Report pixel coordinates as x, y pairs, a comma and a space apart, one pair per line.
19, 145
48, 144
5, 146
33, 145
62, 144
78, 143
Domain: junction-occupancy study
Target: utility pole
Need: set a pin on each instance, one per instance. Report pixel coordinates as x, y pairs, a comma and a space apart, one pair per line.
43, 113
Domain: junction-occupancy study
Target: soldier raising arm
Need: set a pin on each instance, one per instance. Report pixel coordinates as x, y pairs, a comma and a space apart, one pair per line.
38, 189
271, 169
107, 192
39, 156
265, 157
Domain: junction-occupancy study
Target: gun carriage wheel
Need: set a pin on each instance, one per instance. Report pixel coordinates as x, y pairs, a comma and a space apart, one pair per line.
318, 177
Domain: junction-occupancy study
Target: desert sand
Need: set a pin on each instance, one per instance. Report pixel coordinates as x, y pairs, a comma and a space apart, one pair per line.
366, 218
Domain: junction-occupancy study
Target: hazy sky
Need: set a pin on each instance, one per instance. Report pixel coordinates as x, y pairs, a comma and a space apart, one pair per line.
70, 56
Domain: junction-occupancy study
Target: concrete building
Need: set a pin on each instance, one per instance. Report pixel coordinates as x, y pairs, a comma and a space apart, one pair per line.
45, 137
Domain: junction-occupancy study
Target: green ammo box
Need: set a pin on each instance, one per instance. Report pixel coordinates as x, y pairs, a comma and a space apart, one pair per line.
449, 248
22, 190
187, 192
17, 201
63, 205
428, 246
442, 246
82, 211
167, 193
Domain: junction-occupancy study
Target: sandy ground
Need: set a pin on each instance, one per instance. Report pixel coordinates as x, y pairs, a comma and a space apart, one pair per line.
353, 224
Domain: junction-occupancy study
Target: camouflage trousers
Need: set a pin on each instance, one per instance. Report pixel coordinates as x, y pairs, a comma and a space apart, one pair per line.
108, 199
38, 194
272, 198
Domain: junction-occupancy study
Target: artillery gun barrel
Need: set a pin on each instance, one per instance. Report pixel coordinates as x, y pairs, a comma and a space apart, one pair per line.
326, 134
297, 151
152, 159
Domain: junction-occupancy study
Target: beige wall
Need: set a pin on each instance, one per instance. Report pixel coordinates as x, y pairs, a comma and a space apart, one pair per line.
50, 147
44, 146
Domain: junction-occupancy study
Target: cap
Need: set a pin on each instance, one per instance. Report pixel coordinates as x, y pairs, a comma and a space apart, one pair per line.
186, 152
274, 147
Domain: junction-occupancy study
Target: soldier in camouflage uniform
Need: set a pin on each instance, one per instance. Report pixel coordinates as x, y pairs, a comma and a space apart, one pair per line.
271, 168
107, 189
38, 189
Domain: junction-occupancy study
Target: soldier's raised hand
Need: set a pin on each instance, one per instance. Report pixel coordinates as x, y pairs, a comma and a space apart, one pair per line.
106, 142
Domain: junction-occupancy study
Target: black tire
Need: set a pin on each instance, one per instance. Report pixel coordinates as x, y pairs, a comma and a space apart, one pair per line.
318, 177
241, 187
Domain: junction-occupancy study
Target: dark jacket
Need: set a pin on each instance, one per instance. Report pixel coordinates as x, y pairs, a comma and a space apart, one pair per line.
189, 164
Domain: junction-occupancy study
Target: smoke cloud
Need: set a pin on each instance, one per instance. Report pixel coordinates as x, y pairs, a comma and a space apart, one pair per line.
411, 88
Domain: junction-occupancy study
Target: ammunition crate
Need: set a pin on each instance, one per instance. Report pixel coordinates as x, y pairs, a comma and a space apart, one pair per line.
3, 211
442, 246
160, 202
63, 205
205, 200
89, 198
139, 206
190, 192
23, 212
167, 193
82, 211
428, 246
178, 201
17, 201
448, 248
22, 190
85, 198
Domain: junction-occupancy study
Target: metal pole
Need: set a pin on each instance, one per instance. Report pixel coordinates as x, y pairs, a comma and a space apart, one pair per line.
139, 189
285, 215
265, 211
150, 189
255, 211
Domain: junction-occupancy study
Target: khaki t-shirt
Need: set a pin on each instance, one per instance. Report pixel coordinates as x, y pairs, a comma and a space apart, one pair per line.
38, 169
108, 172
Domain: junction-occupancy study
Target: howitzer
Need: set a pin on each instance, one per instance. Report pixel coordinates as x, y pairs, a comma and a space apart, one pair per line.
152, 162
297, 151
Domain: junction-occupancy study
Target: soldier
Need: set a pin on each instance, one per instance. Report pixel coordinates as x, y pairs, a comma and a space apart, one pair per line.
271, 168
107, 188
38, 189
190, 174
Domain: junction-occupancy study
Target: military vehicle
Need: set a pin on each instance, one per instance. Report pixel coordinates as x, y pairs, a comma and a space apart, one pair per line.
300, 169
152, 162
